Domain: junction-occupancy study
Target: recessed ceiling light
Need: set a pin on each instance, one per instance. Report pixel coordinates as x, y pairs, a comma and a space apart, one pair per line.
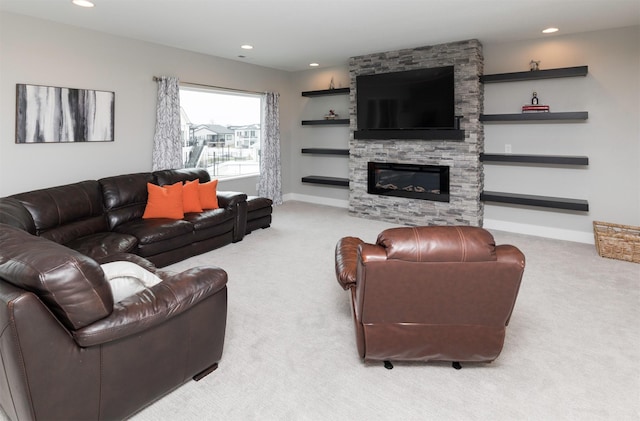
314, 64
549, 30
246, 47
83, 3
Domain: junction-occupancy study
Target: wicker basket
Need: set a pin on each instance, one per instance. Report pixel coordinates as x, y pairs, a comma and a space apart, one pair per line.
616, 241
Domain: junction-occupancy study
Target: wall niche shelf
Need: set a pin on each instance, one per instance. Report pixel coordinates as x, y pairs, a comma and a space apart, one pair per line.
536, 159
535, 75
327, 181
533, 200
337, 121
551, 118
326, 151
525, 117
324, 92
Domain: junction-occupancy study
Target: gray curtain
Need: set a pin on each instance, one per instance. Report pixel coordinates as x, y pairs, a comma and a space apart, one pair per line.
167, 145
270, 183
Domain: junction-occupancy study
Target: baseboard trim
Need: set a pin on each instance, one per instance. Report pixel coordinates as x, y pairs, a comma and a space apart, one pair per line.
514, 227
338, 203
540, 231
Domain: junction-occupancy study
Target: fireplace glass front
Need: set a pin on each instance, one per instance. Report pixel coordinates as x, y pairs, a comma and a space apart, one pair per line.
424, 182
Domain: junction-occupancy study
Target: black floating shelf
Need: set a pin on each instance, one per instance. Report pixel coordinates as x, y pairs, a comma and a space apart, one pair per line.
536, 159
539, 201
423, 134
323, 92
326, 151
337, 121
535, 75
524, 117
328, 181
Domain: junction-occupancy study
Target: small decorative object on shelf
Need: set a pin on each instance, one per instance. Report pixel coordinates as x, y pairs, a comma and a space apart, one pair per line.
331, 84
534, 65
331, 116
535, 106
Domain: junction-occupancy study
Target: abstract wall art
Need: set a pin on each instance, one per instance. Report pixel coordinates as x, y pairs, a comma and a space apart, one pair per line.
46, 114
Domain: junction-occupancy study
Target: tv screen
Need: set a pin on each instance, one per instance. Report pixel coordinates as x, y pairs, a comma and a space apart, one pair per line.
413, 99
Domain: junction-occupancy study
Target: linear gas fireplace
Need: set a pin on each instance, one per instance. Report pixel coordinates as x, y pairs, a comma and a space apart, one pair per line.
424, 182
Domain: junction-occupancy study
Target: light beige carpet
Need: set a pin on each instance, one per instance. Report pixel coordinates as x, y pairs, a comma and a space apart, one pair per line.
572, 350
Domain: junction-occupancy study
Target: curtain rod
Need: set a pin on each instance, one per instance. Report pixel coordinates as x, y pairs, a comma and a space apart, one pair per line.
156, 79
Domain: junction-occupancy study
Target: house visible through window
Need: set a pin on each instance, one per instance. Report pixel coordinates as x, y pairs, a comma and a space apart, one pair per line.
220, 131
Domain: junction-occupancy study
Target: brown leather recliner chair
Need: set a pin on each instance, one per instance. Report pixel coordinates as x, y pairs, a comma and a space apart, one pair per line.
430, 293
68, 352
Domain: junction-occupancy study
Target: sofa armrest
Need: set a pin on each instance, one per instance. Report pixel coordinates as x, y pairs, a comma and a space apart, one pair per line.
513, 257
347, 261
236, 202
506, 253
372, 253
230, 199
151, 307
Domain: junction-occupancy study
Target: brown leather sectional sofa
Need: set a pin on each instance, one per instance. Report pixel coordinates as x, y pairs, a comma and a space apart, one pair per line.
69, 352
103, 217
68, 349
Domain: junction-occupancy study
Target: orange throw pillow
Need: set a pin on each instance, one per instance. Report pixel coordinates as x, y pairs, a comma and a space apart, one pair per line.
164, 202
191, 196
209, 194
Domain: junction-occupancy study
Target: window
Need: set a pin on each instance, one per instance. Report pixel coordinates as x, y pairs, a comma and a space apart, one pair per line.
215, 127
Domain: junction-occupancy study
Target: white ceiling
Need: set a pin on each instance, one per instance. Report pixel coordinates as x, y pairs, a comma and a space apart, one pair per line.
290, 34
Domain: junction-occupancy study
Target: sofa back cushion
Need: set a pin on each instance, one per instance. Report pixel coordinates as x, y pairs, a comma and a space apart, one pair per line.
65, 213
163, 177
125, 197
72, 285
13, 213
438, 244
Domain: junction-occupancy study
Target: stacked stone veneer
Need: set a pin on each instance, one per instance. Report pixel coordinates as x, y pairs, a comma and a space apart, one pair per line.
466, 174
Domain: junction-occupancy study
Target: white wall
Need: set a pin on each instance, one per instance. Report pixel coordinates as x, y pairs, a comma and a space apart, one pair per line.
610, 137
44, 53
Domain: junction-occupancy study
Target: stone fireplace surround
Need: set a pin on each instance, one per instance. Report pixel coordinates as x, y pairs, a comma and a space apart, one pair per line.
463, 157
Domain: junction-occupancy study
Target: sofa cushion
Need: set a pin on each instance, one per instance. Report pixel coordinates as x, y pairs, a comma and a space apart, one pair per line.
158, 235
164, 201
209, 218
209, 194
258, 207
163, 177
64, 213
125, 197
191, 197
100, 245
13, 213
70, 284
149, 231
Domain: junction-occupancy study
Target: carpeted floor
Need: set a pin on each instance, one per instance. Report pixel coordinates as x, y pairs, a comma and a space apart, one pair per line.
572, 350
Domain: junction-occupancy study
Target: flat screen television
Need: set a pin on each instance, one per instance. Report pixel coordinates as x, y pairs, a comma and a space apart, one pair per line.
407, 100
